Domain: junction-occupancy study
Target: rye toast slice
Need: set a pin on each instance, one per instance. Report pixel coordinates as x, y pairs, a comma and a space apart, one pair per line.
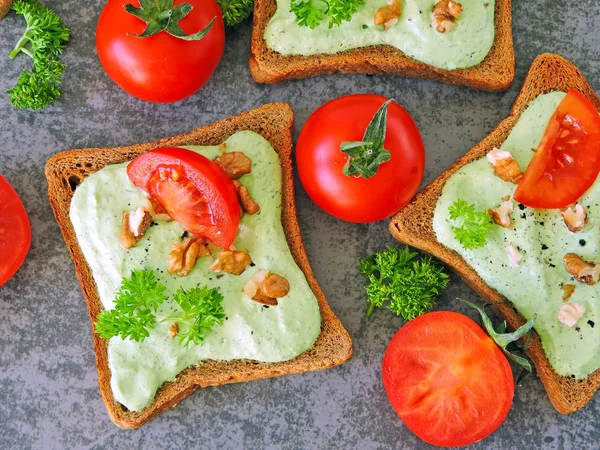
414, 225
66, 170
495, 73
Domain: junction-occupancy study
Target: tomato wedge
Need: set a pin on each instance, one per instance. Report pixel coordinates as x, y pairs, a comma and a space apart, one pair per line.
15, 232
567, 161
195, 191
447, 379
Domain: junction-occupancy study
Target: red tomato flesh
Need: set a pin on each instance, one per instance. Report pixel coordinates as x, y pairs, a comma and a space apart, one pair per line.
15, 232
195, 191
321, 162
446, 378
159, 68
567, 161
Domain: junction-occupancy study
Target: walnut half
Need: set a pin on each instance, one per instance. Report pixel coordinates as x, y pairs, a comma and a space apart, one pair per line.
266, 287
445, 15
233, 262
184, 254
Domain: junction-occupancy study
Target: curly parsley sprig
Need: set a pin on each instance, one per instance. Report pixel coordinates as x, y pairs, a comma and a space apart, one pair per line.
409, 285
137, 302
44, 40
311, 13
235, 11
135, 308
202, 309
473, 226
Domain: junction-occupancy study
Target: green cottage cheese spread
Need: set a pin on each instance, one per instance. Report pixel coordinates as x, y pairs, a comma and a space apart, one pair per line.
465, 46
542, 239
251, 331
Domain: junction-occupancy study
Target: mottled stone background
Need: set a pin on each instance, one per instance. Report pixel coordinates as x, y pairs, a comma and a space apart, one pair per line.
49, 396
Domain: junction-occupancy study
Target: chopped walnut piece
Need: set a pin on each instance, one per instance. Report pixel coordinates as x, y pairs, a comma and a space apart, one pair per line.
501, 216
248, 203
174, 330
568, 290
514, 257
570, 314
505, 166
233, 262
445, 15
133, 226
388, 15
183, 255
581, 270
265, 287
275, 286
575, 217
236, 164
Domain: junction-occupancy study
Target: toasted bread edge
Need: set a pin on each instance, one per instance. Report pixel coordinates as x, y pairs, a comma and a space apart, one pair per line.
495, 73
66, 170
413, 225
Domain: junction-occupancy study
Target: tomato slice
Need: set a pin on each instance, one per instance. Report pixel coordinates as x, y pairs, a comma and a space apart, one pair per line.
447, 379
195, 191
567, 161
15, 232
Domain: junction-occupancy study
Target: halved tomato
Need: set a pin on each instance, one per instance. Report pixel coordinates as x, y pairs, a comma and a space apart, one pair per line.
15, 232
195, 191
567, 161
447, 379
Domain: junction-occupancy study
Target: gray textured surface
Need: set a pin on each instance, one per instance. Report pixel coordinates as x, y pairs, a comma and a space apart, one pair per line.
48, 383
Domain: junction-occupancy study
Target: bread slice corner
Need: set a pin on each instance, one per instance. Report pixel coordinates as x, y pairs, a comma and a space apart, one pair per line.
5, 6
66, 170
495, 73
414, 225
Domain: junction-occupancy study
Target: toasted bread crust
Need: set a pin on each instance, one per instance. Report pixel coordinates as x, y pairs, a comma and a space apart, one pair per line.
5, 7
414, 225
274, 122
495, 73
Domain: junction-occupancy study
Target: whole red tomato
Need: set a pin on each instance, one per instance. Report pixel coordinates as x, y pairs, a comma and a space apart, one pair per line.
321, 162
159, 68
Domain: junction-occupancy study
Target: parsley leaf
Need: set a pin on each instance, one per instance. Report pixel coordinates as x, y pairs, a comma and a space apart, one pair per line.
311, 13
409, 285
44, 40
235, 11
202, 308
135, 306
473, 226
